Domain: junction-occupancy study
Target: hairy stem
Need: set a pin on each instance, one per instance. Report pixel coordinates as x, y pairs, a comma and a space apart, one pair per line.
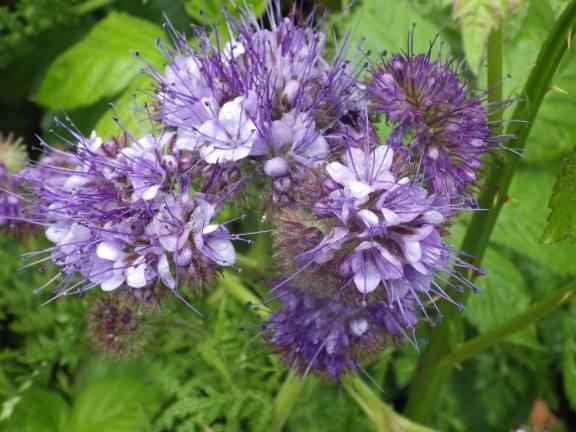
429, 378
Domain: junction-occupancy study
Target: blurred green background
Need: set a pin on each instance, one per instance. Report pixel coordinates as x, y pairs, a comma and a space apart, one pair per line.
76, 58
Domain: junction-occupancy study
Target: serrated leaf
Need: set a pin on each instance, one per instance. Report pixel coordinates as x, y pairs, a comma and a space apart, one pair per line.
102, 64
478, 18
562, 219
385, 25
523, 219
502, 295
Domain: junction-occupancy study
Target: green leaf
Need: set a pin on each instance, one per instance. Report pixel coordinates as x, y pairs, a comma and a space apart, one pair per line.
478, 18
385, 25
100, 65
562, 219
212, 11
129, 109
523, 219
503, 294
110, 406
38, 411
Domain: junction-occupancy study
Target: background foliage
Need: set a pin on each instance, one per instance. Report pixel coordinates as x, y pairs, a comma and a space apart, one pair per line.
79, 57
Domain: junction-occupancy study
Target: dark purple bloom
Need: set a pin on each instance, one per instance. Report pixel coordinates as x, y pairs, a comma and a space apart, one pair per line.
330, 335
436, 120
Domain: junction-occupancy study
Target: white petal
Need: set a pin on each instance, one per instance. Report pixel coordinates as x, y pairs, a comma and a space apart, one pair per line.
223, 252
164, 272
359, 190
136, 275
368, 217
187, 140
201, 216
433, 217
412, 251
114, 281
151, 192
318, 149
231, 113
390, 217
340, 173
368, 278
110, 251
359, 327
57, 232
382, 158
169, 242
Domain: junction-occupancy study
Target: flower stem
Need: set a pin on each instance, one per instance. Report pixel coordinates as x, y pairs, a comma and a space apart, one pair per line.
285, 400
382, 416
534, 313
429, 378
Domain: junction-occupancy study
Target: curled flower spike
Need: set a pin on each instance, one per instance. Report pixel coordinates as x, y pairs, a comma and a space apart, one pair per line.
129, 213
436, 121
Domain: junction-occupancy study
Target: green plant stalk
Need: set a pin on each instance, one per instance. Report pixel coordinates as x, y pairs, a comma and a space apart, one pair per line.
285, 400
383, 417
428, 380
534, 313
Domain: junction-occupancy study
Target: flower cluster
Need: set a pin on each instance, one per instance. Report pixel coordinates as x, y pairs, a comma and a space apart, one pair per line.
130, 213
359, 223
269, 95
436, 120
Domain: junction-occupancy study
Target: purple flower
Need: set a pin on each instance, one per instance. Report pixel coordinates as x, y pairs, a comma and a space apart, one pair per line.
268, 95
330, 335
436, 120
129, 214
376, 232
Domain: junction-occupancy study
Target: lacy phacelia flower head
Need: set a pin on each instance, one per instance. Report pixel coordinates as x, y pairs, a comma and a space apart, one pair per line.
129, 214
436, 121
371, 243
330, 335
268, 94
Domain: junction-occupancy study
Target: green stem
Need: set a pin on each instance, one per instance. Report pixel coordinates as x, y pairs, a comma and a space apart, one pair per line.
383, 417
534, 313
285, 400
427, 382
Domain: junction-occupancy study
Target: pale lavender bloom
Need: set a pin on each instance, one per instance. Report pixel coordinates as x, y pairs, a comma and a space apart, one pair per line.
123, 214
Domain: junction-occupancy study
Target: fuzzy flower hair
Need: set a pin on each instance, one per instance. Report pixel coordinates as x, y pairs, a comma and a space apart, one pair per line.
436, 120
268, 95
128, 213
